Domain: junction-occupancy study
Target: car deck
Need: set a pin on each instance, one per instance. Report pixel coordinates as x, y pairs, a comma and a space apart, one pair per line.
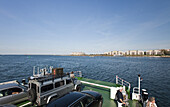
107, 102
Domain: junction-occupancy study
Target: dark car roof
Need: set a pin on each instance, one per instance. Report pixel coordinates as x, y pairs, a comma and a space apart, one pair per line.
66, 100
92, 93
5, 86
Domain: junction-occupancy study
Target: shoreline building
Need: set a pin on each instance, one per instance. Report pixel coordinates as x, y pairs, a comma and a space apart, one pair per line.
77, 53
134, 52
141, 52
153, 52
108, 53
149, 52
119, 53
127, 53
157, 52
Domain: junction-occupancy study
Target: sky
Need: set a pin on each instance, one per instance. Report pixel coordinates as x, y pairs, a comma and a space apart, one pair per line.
90, 26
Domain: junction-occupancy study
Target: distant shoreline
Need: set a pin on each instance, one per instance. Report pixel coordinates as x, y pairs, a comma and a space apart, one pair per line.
150, 56
166, 56
91, 55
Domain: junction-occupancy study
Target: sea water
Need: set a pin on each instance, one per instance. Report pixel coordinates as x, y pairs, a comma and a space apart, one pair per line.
154, 71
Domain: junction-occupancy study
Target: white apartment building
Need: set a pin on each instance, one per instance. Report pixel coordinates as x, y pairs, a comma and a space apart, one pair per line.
120, 53
150, 52
140, 52
117, 53
153, 52
127, 53
78, 53
108, 53
134, 52
157, 52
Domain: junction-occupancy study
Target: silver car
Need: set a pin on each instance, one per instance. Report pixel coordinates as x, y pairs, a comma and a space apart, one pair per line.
12, 93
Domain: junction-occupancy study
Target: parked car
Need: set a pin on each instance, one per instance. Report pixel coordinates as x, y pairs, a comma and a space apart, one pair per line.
79, 99
12, 92
45, 87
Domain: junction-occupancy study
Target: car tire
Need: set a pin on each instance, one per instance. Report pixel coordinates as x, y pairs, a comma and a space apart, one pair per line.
51, 100
32, 95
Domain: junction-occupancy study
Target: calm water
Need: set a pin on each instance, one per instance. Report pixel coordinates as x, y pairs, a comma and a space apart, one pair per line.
154, 71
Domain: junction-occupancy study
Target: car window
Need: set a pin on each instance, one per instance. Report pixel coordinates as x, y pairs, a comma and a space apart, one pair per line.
5, 92
61, 83
1, 94
58, 84
68, 81
16, 90
79, 104
87, 101
46, 88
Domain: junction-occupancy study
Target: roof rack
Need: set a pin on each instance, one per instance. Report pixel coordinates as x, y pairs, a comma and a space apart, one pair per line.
50, 77
47, 74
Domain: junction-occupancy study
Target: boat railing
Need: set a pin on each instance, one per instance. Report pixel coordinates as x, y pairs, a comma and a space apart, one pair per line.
94, 84
122, 82
112, 89
136, 90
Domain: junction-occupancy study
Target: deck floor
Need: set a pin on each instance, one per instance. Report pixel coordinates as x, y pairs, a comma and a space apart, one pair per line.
107, 102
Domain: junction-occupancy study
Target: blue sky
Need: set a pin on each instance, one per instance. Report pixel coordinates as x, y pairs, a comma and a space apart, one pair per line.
90, 26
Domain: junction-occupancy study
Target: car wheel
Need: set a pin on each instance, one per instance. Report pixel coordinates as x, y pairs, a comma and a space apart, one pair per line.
53, 99
32, 95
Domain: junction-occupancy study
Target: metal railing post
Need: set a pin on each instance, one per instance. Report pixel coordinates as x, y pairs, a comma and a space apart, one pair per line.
139, 84
122, 82
116, 79
129, 87
38, 70
33, 70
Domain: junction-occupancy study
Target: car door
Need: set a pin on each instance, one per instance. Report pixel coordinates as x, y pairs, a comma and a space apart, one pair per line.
6, 96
